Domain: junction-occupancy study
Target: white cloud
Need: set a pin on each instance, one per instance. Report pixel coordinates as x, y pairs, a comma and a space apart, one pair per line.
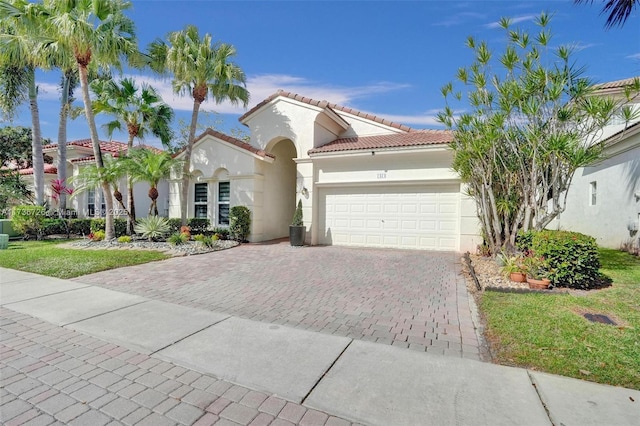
515, 20
634, 56
578, 46
48, 91
262, 86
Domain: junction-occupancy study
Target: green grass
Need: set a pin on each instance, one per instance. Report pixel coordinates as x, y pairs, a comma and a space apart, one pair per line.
46, 258
548, 333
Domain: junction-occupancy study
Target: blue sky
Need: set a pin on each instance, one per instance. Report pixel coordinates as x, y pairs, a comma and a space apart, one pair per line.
385, 58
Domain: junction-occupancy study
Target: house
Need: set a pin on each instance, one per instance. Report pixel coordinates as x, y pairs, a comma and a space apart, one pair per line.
363, 180
91, 203
603, 200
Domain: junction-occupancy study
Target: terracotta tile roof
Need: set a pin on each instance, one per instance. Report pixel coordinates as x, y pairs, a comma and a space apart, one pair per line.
618, 84
237, 142
417, 138
106, 146
325, 104
49, 169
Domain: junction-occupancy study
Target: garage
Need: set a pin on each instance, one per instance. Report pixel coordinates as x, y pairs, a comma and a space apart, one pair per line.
424, 217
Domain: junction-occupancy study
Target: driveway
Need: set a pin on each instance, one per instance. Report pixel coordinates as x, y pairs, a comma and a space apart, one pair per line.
411, 299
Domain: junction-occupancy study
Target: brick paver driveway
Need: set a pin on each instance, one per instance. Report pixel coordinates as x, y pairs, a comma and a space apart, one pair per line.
412, 299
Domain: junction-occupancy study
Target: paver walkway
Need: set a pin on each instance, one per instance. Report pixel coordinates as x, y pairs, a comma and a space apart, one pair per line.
411, 299
53, 376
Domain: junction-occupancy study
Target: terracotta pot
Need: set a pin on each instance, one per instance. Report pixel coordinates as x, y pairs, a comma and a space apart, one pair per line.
539, 284
518, 277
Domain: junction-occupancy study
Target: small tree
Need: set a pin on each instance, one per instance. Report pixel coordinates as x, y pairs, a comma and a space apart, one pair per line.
240, 222
530, 127
297, 215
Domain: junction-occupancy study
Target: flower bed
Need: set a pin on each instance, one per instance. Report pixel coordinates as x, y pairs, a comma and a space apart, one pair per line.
186, 249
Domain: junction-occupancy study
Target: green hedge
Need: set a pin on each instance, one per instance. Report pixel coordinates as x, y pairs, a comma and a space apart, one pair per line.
573, 257
198, 226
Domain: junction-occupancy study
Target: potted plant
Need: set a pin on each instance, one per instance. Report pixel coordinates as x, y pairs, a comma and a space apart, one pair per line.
538, 272
514, 268
297, 230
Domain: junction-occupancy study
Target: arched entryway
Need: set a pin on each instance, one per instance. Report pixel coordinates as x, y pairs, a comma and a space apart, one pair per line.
279, 189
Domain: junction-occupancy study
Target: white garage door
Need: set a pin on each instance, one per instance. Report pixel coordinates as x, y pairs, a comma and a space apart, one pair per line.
411, 217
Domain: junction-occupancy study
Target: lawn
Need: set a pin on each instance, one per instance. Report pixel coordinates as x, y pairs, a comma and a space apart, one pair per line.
46, 258
548, 332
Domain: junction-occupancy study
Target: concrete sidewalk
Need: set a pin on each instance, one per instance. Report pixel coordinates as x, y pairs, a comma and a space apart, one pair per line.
330, 379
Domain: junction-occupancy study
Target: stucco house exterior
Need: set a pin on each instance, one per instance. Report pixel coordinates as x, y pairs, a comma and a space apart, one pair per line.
90, 203
604, 199
363, 180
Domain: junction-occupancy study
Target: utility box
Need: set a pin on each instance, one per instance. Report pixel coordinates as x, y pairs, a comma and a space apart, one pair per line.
6, 227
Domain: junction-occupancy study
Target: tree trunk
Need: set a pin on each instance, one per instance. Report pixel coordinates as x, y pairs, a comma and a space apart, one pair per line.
62, 141
131, 207
36, 140
95, 141
187, 164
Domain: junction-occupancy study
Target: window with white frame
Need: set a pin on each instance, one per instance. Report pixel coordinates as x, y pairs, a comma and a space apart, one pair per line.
91, 202
593, 193
224, 191
200, 200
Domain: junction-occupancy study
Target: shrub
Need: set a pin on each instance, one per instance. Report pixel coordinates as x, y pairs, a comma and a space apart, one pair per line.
571, 256
221, 233
178, 239
28, 220
186, 230
99, 224
199, 237
297, 215
198, 225
152, 227
174, 224
53, 226
240, 222
208, 241
124, 239
80, 226
97, 236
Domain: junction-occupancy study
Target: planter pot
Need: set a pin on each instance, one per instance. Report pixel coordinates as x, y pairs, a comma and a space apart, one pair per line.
518, 277
539, 284
296, 235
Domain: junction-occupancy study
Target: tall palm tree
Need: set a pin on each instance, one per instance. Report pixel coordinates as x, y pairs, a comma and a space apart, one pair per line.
199, 68
20, 54
618, 10
97, 33
69, 82
139, 109
150, 166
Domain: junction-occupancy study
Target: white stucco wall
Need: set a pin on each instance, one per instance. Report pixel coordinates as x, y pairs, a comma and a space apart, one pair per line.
617, 181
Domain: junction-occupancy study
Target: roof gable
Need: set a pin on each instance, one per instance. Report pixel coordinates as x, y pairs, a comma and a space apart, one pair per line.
230, 140
325, 105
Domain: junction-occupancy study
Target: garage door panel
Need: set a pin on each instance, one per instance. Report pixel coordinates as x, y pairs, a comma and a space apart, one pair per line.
390, 216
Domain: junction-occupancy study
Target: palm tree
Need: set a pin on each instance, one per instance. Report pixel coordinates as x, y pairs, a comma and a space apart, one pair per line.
618, 10
199, 68
97, 33
150, 166
20, 55
92, 177
139, 109
68, 84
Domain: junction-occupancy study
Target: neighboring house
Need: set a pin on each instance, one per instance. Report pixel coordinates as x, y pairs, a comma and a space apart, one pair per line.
363, 180
91, 203
604, 199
